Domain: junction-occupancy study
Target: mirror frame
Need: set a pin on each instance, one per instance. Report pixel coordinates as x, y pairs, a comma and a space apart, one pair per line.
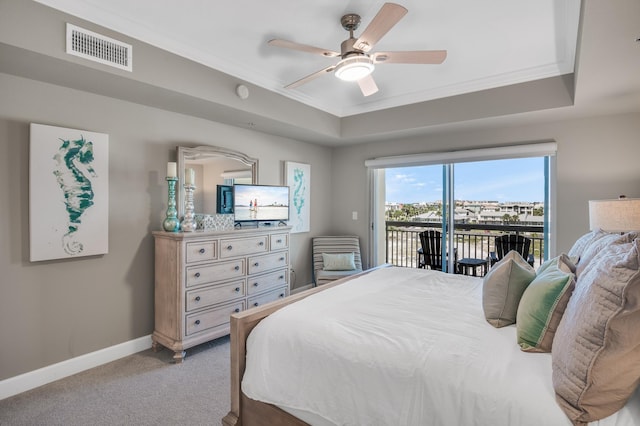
185, 154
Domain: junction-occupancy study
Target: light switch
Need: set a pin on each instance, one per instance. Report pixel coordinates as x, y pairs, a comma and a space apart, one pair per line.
354, 215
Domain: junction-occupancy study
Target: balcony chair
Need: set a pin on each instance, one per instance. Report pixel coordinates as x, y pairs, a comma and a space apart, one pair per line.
430, 253
507, 242
335, 257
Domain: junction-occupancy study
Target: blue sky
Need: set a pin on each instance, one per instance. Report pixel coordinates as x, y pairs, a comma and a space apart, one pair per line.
519, 179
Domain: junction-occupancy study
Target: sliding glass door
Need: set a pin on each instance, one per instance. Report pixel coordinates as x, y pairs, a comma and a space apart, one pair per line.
496, 197
422, 195
468, 202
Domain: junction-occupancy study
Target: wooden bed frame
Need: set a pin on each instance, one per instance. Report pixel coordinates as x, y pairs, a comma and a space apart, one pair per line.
244, 410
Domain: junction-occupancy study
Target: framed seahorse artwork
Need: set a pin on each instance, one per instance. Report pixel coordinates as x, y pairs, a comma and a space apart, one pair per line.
68, 193
298, 179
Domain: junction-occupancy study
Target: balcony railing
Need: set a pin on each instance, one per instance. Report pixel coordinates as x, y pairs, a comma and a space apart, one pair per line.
471, 240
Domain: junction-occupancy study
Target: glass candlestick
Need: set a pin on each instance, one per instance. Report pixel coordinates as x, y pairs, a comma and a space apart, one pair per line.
188, 223
171, 222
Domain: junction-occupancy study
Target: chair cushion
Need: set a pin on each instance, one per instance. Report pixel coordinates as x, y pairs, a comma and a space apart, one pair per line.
503, 287
595, 349
338, 261
543, 303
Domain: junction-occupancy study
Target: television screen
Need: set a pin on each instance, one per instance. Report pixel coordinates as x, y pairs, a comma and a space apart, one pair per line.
263, 203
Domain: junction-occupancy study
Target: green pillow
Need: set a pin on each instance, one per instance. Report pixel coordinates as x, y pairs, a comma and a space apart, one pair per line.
338, 262
503, 287
543, 303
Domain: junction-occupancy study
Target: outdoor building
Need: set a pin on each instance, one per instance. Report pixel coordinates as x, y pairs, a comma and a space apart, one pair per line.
479, 212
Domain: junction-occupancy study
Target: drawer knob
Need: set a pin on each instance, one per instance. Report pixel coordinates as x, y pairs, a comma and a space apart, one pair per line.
255, 284
197, 322
236, 310
197, 274
281, 277
281, 294
261, 243
237, 289
255, 304
202, 251
229, 247
197, 298
278, 241
237, 268
256, 264
282, 258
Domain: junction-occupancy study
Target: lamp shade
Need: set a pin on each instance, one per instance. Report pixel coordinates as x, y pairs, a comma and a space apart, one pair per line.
619, 215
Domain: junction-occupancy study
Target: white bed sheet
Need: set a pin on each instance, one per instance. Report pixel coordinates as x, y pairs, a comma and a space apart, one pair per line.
402, 346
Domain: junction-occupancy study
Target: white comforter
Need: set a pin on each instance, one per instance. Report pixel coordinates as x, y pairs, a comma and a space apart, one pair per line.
402, 346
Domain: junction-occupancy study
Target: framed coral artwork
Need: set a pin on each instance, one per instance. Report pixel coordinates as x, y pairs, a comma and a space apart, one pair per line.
298, 179
68, 193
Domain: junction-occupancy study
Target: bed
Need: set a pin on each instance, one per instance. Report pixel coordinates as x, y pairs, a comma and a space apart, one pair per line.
391, 346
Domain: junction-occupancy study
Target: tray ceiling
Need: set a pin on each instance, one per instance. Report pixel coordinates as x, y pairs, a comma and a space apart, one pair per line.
490, 44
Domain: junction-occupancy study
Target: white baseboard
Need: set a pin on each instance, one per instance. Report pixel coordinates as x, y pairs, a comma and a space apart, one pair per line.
24, 382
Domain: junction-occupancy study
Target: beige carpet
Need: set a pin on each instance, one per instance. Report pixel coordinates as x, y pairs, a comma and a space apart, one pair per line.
141, 389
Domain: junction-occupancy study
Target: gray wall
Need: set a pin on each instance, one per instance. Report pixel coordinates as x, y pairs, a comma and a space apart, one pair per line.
55, 310
597, 158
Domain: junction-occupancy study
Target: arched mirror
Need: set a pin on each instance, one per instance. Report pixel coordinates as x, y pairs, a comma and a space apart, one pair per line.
212, 166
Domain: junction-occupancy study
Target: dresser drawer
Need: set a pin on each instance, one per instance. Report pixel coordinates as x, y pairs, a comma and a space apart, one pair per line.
202, 321
267, 262
207, 296
243, 246
279, 241
260, 283
201, 251
267, 297
215, 272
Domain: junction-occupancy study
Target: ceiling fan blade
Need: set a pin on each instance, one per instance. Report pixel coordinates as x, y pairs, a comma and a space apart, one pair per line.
302, 47
387, 17
368, 85
310, 77
410, 57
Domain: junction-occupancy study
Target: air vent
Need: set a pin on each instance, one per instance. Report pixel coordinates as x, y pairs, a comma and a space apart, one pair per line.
98, 48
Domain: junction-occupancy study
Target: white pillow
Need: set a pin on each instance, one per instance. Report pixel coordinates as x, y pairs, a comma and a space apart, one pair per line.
600, 244
583, 243
338, 262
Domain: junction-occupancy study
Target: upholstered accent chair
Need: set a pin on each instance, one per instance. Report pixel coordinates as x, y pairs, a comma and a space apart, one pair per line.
335, 257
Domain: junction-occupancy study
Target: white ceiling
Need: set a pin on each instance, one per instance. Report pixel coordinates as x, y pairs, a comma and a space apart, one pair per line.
490, 44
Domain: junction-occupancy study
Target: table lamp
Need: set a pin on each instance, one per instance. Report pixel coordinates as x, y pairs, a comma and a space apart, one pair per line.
616, 215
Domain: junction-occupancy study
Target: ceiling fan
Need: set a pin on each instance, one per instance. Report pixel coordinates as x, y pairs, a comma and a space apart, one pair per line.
356, 62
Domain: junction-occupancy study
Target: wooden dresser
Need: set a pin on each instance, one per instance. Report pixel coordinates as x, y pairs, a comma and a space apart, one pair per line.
201, 278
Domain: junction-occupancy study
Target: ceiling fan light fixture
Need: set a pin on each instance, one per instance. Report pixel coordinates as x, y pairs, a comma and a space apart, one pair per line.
354, 68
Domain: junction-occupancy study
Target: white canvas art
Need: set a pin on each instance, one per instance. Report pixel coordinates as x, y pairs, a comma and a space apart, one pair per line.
68, 193
298, 179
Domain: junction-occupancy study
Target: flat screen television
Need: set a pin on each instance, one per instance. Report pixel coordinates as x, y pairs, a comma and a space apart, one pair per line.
260, 203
